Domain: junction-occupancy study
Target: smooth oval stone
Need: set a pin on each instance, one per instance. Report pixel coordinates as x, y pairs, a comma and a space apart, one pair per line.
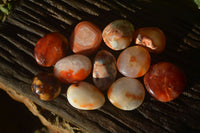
118, 34
152, 38
46, 86
50, 48
104, 70
86, 38
73, 68
126, 93
134, 62
85, 96
165, 81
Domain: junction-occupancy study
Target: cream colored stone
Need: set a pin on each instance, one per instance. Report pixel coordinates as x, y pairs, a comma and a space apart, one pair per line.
85, 96
126, 93
134, 62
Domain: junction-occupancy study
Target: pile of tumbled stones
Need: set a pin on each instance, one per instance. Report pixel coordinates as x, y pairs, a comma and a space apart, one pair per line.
163, 80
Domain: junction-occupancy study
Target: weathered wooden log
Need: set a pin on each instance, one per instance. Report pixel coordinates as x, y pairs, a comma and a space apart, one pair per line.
180, 22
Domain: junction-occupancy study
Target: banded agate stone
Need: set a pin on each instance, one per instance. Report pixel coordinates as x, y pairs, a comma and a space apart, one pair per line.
118, 34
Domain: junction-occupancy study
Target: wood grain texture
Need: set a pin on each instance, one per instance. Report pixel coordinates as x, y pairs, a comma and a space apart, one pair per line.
180, 23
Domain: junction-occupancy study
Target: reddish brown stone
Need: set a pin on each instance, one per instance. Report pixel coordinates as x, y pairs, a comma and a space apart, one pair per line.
165, 81
151, 38
50, 48
86, 38
46, 86
104, 70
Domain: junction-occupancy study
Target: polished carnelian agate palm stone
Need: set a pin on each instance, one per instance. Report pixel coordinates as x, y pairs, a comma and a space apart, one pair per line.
50, 48
86, 38
165, 81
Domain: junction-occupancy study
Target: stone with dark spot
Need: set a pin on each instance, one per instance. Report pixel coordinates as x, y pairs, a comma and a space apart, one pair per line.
104, 70
46, 86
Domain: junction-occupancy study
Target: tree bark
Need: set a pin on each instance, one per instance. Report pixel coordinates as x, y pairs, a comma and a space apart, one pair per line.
34, 18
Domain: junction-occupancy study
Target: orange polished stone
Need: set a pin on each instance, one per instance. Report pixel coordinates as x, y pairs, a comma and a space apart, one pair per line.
50, 48
151, 38
118, 34
165, 81
134, 62
86, 38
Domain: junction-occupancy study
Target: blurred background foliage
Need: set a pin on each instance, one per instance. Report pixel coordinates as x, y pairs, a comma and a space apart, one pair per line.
197, 2
6, 6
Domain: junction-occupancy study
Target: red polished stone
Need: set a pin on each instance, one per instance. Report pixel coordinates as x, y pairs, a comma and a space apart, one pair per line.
165, 81
50, 48
86, 38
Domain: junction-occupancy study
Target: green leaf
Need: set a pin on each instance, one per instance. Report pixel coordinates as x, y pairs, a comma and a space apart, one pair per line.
4, 10
197, 3
9, 6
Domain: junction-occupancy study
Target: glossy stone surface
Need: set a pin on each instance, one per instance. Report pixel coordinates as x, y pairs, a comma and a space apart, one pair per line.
152, 38
118, 34
104, 70
86, 38
46, 86
126, 93
165, 81
134, 62
73, 68
85, 96
50, 48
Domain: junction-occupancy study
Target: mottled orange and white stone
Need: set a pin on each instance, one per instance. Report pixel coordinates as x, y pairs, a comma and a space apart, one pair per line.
118, 34
126, 93
134, 62
85, 96
73, 68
